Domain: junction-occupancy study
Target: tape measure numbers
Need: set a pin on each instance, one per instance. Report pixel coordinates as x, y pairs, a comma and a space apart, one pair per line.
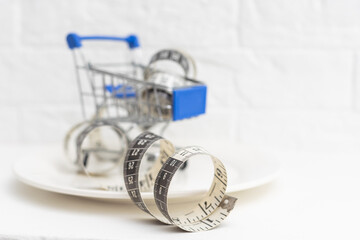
213, 208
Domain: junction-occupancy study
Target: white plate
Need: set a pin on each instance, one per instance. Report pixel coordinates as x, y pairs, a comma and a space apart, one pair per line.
46, 168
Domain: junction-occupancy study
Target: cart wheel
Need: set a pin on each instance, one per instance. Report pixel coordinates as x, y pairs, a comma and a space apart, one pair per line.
101, 147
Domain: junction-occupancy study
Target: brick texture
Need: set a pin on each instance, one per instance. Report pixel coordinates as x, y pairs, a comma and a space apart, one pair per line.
279, 73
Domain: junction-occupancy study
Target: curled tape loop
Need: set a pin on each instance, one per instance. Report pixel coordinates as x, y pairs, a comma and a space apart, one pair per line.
210, 211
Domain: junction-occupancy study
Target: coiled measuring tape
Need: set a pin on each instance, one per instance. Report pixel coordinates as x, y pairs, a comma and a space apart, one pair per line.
157, 101
213, 208
181, 58
98, 159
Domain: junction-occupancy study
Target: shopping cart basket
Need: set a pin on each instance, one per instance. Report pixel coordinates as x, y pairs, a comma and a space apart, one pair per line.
116, 93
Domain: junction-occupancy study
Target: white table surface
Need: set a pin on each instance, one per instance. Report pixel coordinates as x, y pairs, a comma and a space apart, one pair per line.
316, 196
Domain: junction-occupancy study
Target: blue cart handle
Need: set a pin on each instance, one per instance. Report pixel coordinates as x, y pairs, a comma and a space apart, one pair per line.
74, 41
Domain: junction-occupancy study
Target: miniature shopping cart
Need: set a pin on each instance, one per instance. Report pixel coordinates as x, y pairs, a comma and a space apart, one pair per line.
113, 93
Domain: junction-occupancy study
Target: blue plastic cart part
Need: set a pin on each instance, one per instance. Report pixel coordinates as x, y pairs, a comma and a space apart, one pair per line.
189, 102
119, 92
74, 41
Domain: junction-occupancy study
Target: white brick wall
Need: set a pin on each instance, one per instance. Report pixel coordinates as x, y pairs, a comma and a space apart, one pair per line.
280, 73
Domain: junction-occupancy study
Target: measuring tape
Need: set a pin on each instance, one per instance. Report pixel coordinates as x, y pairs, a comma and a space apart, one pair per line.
181, 58
157, 101
96, 159
213, 208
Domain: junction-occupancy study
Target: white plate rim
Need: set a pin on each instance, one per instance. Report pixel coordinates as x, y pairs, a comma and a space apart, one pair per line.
101, 194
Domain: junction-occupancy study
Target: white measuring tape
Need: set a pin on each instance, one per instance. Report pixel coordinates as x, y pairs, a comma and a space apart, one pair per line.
153, 97
184, 60
97, 158
213, 208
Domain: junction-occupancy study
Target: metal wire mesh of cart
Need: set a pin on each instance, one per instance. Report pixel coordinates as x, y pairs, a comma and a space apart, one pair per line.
120, 93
